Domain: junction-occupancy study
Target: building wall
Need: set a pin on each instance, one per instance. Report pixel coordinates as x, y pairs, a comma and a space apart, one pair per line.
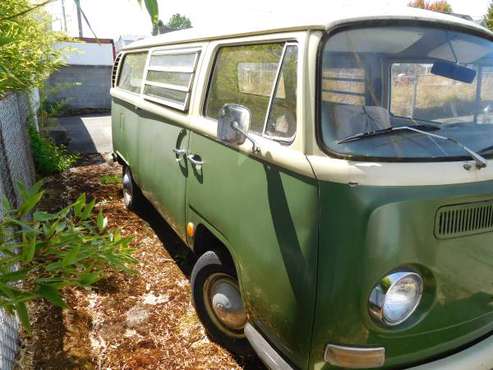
16, 165
84, 83
81, 87
87, 53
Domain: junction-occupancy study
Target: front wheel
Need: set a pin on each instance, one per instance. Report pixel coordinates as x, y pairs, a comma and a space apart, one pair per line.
217, 300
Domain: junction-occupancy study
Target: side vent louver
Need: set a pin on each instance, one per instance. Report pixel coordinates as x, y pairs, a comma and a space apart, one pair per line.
464, 219
115, 70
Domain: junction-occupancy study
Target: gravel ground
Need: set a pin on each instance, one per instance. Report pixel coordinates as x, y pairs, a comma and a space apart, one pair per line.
142, 321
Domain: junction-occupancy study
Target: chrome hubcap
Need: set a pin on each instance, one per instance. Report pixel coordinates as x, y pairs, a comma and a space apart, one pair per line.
224, 304
127, 188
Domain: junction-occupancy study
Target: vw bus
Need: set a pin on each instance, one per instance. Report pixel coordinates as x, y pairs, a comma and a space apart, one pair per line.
333, 174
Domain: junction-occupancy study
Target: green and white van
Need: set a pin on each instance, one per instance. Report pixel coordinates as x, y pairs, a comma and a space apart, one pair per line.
334, 175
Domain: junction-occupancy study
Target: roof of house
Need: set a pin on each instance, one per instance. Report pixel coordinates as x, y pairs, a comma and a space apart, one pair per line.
305, 19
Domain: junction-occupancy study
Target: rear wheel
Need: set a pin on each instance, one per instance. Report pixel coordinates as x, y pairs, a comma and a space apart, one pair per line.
132, 196
217, 299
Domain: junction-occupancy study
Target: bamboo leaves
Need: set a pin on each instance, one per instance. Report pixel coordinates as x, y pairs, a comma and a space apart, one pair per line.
70, 247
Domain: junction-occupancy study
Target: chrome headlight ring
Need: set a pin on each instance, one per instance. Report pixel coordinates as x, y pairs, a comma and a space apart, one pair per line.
396, 297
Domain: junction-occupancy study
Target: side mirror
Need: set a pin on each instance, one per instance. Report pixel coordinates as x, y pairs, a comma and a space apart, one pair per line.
231, 118
233, 125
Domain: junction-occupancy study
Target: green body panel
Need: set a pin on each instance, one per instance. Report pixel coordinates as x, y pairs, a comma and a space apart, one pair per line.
269, 219
161, 177
309, 253
365, 233
125, 131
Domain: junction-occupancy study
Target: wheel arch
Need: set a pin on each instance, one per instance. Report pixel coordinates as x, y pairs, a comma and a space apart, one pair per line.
206, 239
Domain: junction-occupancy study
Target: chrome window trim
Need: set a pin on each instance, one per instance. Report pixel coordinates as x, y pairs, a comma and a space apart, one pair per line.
168, 86
169, 103
290, 139
184, 89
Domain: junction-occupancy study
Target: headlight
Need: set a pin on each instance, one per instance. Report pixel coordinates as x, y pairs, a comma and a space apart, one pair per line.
396, 297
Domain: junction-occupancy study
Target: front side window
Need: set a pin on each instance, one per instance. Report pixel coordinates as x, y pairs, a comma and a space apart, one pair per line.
376, 79
132, 72
263, 78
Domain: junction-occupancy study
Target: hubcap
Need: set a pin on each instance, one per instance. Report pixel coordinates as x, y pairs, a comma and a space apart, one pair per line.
224, 304
127, 188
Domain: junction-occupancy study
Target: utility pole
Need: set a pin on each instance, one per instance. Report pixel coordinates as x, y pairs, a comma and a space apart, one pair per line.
64, 15
79, 17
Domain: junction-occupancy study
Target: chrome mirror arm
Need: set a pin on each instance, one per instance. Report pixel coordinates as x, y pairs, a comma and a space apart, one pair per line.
255, 147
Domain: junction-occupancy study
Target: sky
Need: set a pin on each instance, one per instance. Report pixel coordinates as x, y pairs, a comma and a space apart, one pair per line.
112, 18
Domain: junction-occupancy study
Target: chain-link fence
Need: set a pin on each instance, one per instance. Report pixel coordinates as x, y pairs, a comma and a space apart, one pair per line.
16, 165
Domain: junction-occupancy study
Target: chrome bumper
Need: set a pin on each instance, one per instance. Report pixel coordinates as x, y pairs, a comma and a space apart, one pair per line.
264, 350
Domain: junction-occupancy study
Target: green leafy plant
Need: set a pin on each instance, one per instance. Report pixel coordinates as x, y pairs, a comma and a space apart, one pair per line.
49, 158
27, 52
42, 254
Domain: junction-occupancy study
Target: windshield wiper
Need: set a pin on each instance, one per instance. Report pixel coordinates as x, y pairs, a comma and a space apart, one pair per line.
480, 161
486, 150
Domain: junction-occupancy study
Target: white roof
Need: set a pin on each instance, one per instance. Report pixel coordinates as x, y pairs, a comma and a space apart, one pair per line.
306, 19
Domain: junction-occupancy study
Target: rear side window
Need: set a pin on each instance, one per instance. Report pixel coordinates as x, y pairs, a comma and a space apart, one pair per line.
263, 79
170, 76
132, 72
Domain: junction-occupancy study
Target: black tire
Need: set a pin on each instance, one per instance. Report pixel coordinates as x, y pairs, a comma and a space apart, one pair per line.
207, 267
132, 195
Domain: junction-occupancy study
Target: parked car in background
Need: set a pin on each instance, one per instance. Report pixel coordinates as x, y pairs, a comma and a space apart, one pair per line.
334, 177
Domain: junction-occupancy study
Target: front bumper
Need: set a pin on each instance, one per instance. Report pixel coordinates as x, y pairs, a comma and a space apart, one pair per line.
476, 357
269, 356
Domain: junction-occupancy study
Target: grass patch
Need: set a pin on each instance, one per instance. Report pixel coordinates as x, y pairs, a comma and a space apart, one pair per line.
110, 179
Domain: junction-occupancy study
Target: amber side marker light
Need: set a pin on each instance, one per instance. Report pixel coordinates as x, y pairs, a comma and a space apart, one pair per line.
353, 357
190, 230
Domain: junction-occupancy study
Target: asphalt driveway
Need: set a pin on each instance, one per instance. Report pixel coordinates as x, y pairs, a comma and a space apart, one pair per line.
89, 134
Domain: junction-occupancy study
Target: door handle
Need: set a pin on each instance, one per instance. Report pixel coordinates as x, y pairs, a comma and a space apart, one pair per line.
197, 163
180, 153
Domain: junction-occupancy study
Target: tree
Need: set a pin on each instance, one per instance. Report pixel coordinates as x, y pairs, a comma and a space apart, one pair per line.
176, 22
441, 6
27, 46
488, 18
179, 22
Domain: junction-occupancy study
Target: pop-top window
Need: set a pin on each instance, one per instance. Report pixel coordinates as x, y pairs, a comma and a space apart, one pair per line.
170, 76
379, 85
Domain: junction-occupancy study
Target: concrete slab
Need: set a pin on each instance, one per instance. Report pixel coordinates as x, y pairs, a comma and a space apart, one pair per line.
89, 134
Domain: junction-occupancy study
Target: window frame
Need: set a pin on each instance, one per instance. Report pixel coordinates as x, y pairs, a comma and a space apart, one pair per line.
122, 62
210, 74
188, 90
327, 35
274, 91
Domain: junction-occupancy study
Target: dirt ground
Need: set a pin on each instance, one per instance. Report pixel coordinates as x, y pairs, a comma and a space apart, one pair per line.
142, 321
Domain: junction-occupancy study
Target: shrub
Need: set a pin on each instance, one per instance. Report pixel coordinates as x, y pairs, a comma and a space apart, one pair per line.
27, 53
49, 158
54, 250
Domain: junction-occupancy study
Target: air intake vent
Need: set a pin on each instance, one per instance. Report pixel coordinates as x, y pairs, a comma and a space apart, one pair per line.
115, 70
464, 219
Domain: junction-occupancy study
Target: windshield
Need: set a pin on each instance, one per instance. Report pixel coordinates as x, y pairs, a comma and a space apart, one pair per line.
376, 78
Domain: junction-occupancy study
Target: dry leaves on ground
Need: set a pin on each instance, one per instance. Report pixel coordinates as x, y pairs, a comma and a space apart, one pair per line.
142, 321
